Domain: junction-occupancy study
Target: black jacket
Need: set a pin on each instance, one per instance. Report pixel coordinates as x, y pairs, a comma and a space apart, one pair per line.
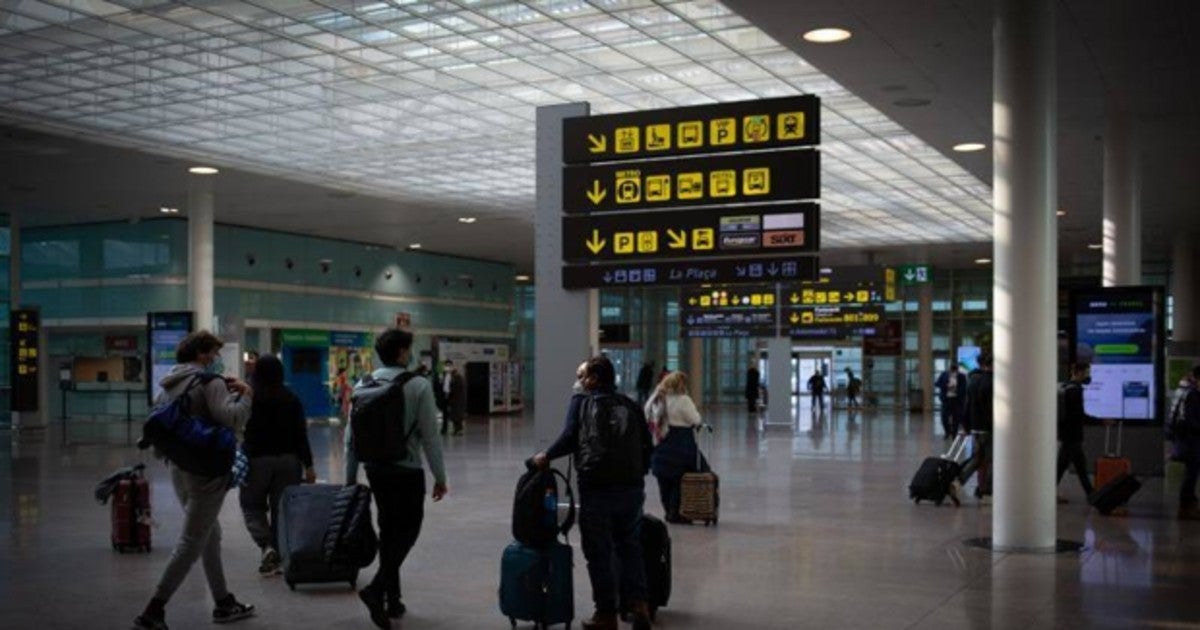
979, 402
277, 426
1070, 427
599, 469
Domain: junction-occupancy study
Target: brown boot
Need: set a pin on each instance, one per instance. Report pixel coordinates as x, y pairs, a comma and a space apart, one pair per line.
641, 615
602, 621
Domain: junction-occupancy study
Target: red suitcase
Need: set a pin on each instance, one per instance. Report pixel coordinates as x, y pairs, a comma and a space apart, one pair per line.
131, 515
1111, 465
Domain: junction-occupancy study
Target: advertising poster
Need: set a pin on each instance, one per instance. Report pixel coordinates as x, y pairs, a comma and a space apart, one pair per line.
1119, 331
165, 331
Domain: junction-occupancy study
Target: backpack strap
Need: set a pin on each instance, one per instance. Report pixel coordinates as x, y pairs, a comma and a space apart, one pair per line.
400, 381
565, 528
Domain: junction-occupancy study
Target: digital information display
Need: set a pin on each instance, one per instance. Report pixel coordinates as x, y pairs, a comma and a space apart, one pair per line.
1119, 331
165, 331
24, 325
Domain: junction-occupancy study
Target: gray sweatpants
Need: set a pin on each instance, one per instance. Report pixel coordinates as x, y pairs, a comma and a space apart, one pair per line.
269, 475
201, 498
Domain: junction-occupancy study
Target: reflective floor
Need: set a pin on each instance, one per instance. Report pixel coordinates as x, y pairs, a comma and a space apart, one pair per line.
816, 532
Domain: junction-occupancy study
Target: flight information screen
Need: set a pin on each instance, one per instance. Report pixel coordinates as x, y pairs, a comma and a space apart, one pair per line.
1119, 331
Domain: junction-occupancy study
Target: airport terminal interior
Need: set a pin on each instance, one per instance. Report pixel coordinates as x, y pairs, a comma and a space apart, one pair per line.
847, 222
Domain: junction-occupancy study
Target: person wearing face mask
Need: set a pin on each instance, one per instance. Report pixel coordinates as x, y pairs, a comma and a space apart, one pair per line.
225, 401
1070, 427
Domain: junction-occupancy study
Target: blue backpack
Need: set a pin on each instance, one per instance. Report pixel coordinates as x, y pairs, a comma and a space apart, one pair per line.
191, 442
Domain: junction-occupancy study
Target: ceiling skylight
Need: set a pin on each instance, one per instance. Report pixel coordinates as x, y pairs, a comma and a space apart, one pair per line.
435, 101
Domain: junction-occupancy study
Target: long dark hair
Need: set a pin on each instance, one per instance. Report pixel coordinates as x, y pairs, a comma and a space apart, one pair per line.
268, 374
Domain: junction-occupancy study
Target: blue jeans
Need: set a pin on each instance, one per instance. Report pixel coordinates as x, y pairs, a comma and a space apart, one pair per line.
610, 523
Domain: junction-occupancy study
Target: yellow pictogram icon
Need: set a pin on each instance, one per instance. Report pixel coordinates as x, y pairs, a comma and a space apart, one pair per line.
821, 297
768, 299
807, 317
691, 134
658, 137
676, 240
692, 301
835, 297
658, 188
722, 184
756, 128
722, 131
756, 299
597, 193
629, 186
863, 296
628, 139
790, 126
702, 239
623, 242
794, 299
597, 144
794, 318
809, 296
647, 241
756, 181
690, 185
705, 301
596, 244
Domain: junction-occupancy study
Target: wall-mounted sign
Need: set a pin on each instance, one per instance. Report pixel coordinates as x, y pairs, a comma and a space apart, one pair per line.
764, 124
164, 331
827, 294
832, 321
120, 343
24, 350
702, 181
692, 233
403, 320
1120, 332
714, 271
916, 274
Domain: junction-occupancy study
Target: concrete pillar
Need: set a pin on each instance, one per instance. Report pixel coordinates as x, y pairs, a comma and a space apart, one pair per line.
14, 260
1026, 275
200, 249
1183, 288
566, 323
779, 381
695, 369
925, 345
1122, 207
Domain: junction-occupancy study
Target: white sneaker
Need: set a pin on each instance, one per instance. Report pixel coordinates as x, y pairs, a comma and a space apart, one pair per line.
270, 565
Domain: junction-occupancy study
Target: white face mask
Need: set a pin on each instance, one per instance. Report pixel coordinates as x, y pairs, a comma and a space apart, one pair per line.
577, 388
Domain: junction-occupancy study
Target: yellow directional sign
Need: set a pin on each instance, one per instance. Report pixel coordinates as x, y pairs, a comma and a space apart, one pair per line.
722, 183
806, 317
677, 239
658, 188
629, 186
756, 129
794, 318
692, 301
702, 239
790, 125
597, 194
795, 299
691, 134
647, 242
658, 137
756, 181
690, 185
627, 139
722, 132
596, 244
597, 144
623, 242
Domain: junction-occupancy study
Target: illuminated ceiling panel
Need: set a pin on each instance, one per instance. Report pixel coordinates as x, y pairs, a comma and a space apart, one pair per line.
433, 101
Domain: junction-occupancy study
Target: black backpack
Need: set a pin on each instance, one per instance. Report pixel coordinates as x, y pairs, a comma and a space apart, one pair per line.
377, 419
612, 441
535, 507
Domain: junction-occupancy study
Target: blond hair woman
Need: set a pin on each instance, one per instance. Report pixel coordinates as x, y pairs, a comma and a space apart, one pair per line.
673, 418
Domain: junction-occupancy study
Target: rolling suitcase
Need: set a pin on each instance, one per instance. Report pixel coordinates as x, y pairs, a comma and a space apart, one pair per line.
538, 584
933, 479
656, 552
131, 514
700, 492
1111, 465
1114, 494
305, 513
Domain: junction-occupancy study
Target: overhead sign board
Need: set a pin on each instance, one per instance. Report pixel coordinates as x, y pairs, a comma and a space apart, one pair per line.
732, 311
823, 294
832, 321
749, 125
776, 229
24, 326
704, 181
916, 274
684, 272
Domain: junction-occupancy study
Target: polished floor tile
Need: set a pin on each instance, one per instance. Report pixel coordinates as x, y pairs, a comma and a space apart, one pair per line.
816, 532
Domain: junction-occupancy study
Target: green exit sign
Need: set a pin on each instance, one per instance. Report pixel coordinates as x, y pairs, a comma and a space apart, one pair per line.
916, 274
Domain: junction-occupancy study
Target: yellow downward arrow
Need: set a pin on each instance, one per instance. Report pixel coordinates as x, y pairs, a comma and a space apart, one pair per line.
597, 194
597, 145
678, 239
596, 244
795, 298
794, 318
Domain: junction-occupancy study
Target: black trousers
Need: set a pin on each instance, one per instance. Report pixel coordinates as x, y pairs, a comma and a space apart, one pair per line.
400, 498
1071, 453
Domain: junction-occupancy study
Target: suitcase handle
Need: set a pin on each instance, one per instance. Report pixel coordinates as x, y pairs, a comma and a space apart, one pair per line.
1107, 428
700, 428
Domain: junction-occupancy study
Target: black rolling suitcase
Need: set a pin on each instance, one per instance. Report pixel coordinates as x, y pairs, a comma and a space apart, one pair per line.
1115, 494
933, 478
305, 513
656, 552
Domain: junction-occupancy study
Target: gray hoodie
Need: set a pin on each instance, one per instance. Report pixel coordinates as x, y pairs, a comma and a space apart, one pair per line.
212, 400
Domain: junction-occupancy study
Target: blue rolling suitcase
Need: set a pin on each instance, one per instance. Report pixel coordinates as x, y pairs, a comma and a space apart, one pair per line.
537, 584
304, 515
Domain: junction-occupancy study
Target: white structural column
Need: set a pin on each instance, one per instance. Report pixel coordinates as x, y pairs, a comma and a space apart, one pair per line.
925, 345
566, 323
200, 249
1183, 288
1026, 275
1122, 206
779, 381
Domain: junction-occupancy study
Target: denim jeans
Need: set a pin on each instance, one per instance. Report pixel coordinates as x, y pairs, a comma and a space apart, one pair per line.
610, 523
400, 498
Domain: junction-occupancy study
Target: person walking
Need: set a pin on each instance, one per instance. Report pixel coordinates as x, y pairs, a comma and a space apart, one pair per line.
816, 388
224, 401
978, 422
673, 420
608, 436
952, 390
1185, 435
645, 382
399, 486
752, 385
853, 388
280, 456
455, 387
1070, 427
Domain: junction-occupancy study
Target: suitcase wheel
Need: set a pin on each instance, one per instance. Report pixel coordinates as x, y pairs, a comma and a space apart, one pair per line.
512, 621
292, 585
354, 585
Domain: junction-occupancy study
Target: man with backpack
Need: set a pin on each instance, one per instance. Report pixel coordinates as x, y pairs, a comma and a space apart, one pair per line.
611, 443
1071, 418
393, 420
977, 420
1184, 428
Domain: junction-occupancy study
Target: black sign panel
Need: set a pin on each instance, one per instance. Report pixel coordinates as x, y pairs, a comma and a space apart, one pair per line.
832, 294
833, 321
738, 311
777, 229
719, 271
705, 181
24, 325
743, 126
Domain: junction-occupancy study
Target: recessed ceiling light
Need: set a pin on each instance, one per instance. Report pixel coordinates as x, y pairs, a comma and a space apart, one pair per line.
414, 246
969, 147
1095, 246
467, 219
1060, 213
827, 35
166, 210
983, 261
521, 277
203, 170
